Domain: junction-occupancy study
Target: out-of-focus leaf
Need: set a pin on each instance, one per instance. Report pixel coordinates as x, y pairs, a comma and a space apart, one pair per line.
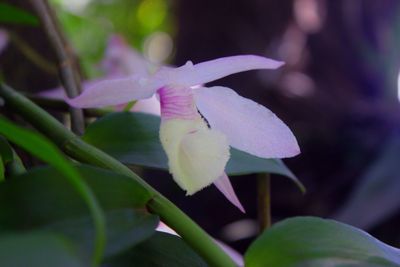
1, 169
42, 196
8, 160
158, 251
5, 150
125, 229
37, 249
242, 163
376, 196
41, 199
40, 147
309, 242
133, 138
15, 15
83, 20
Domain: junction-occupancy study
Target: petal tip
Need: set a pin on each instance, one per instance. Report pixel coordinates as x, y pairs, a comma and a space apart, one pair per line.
224, 185
280, 64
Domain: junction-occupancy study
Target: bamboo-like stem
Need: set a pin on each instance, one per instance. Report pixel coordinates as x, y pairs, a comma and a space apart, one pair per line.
72, 145
67, 61
264, 201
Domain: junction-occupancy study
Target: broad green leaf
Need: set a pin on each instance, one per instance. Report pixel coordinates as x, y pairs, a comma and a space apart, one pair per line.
41, 196
37, 249
40, 199
242, 163
40, 147
158, 251
125, 228
133, 139
16, 15
377, 190
310, 241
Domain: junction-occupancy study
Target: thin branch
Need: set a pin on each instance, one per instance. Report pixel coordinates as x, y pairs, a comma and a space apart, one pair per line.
264, 200
32, 55
67, 60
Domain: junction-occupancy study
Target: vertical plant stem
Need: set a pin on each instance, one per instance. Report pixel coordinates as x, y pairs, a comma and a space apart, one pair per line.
67, 60
264, 200
76, 148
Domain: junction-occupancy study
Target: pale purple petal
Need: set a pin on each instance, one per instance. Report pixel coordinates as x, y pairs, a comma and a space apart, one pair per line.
59, 92
249, 126
189, 74
56, 93
224, 185
115, 91
162, 227
121, 58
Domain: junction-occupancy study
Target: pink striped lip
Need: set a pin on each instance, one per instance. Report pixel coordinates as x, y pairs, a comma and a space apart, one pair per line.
177, 103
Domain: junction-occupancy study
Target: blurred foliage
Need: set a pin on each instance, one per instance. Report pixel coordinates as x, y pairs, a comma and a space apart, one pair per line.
89, 24
12, 14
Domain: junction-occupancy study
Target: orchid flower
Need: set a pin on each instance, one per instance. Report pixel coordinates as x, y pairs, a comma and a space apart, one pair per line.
197, 154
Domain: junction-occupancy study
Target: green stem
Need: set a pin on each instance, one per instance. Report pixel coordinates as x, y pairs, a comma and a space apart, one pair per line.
196, 237
264, 201
15, 167
129, 106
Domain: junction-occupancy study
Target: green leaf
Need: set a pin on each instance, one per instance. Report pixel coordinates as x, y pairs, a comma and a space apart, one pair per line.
12, 164
6, 151
133, 139
37, 249
39, 199
15, 15
2, 170
6, 156
41, 196
242, 163
158, 251
125, 229
48, 152
310, 241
